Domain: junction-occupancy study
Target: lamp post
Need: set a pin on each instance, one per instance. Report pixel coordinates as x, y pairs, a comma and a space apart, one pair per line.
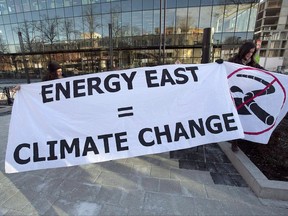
23, 56
39, 46
110, 46
160, 32
164, 32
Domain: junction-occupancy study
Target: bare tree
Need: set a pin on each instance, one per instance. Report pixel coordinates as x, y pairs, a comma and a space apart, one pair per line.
4, 59
67, 28
3, 46
91, 24
182, 24
31, 43
48, 29
27, 30
118, 29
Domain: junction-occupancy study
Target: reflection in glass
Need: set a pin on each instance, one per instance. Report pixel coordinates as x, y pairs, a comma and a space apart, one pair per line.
148, 22
126, 23
126, 5
137, 5
148, 5
135, 23
28, 16
217, 18
205, 17
105, 8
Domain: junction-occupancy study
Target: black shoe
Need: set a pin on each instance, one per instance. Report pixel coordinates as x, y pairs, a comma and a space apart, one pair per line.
234, 147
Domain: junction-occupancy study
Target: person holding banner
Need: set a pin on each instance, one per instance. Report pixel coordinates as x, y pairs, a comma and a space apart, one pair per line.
245, 56
54, 72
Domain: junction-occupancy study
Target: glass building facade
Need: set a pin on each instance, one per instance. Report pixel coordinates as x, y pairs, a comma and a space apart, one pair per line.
97, 35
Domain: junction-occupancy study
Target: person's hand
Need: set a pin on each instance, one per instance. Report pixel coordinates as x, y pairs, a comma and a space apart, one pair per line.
16, 88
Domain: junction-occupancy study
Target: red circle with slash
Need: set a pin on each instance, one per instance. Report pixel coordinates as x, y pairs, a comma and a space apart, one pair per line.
274, 80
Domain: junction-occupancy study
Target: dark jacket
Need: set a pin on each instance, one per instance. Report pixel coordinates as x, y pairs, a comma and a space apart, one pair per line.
238, 60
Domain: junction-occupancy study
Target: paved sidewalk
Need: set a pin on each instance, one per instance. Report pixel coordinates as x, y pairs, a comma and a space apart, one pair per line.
147, 185
5, 109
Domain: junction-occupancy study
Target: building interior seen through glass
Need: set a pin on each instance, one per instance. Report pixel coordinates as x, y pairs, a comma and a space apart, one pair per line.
88, 36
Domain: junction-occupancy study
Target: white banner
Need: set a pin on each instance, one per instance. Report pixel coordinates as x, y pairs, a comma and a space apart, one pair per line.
261, 99
121, 114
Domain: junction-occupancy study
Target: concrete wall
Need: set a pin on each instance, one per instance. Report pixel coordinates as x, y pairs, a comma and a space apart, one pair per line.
271, 63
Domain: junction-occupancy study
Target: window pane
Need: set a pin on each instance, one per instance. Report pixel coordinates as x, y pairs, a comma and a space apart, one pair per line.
42, 4
253, 18
137, 5
194, 2
28, 16
170, 21
148, 22
205, 17
182, 3
156, 21
219, 2
26, 5
68, 11
217, 18
9, 34
136, 23
96, 8
156, 4
18, 8
58, 3
35, 15
78, 25
51, 4
126, 24
148, 5
13, 18
116, 6
181, 21
77, 2
105, 21
77, 11
52, 13
193, 14
242, 18
229, 18
67, 2
116, 24
105, 8
126, 5
11, 6
206, 2
217, 38
20, 17
2, 33
170, 3
60, 12
228, 38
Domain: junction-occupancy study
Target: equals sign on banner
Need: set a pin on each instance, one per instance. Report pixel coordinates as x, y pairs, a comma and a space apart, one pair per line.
125, 111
